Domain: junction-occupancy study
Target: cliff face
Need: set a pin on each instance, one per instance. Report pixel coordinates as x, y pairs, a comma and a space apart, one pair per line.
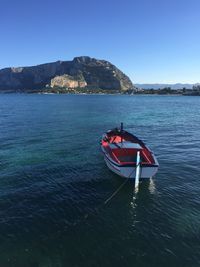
67, 81
80, 72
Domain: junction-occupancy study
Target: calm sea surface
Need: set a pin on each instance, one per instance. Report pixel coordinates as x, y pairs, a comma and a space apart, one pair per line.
53, 178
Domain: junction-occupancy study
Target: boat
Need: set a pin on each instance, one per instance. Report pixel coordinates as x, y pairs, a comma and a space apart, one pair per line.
127, 155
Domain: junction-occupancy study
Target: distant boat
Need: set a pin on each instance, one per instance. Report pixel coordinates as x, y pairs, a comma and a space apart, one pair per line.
124, 152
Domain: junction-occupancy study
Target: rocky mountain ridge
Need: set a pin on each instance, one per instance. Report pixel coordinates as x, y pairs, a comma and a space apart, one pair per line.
81, 72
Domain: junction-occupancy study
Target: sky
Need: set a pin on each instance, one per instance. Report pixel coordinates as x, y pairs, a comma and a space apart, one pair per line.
152, 41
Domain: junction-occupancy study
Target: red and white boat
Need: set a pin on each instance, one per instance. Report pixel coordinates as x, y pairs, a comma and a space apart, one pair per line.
124, 152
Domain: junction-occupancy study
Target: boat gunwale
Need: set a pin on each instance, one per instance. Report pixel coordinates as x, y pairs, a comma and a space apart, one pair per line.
145, 165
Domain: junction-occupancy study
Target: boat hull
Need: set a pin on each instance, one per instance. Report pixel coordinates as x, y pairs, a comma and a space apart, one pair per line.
129, 172
121, 151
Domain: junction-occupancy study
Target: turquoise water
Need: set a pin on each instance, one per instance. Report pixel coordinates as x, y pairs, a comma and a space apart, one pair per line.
52, 174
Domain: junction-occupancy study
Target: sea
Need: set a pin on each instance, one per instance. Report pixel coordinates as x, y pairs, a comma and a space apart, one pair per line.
54, 182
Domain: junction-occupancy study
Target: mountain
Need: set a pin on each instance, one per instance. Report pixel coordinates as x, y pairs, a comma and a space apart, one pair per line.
81, 72
161, 86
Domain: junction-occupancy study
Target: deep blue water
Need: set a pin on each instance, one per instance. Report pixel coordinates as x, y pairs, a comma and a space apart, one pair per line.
52, 174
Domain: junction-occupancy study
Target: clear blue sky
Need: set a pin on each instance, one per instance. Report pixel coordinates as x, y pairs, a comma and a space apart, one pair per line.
150, 40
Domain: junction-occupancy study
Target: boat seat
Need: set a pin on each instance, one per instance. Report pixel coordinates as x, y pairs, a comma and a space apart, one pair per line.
125, 144
131, 158
127, 158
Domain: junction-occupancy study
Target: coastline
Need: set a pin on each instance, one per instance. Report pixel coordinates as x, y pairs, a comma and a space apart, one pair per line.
98, 94
99, 91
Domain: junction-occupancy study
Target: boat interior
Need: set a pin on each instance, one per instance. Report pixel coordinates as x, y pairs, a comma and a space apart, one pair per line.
124, 151
128, 155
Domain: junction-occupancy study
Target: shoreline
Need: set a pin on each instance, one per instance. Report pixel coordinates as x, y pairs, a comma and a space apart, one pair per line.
100, 94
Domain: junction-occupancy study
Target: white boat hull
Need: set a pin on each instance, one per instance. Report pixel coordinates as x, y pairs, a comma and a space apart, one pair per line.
130, 172
124, 153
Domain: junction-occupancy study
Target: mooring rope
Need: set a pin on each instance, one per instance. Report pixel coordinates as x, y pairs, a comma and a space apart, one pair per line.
110, 197
116, 191
105, 202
